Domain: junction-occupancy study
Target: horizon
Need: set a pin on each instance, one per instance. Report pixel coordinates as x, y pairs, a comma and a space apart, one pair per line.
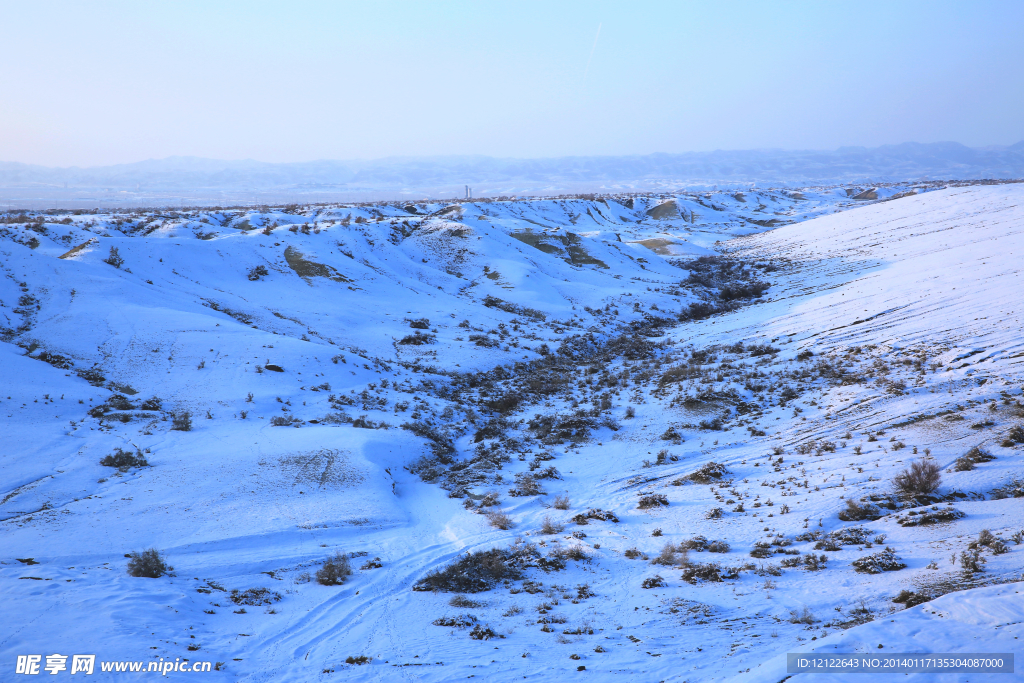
783, 150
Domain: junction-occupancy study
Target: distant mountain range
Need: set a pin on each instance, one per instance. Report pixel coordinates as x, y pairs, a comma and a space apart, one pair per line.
447, 176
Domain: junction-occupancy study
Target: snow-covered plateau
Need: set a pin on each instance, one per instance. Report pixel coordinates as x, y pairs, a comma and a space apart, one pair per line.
648, 437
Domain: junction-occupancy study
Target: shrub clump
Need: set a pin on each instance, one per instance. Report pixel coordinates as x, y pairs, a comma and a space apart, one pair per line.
922, 477
479, 571
805, 617
1014, 436
125, 460
114, 258
968, 460
708, 473
254, 596
461, 621
712, 571
856, 512
499, 520
550, 527
417, 339
930, 517
181, 422
361, 659
1011, 489
652, 500
526, 485
257, 272
885, 561
334, 570
483, 633
655, 581
595, 513
147, 564
910, 598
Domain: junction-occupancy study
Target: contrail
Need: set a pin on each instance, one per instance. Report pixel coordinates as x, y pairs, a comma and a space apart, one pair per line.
592, 48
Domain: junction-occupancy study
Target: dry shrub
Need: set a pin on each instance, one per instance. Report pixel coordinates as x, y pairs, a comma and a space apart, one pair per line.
576, 552
550, 527
708, 473
479, 571
652, 500
562, 502
459, 621
910, 598
655, 581
254, 597
499, 520
147, 564
526, 485
813, 563
483, 633
465, 603
702, 572
940, 516
805, 617
334, 570
1014, 436
856, 512
669, 555
597, 514
125, 460
922, 477
884, 561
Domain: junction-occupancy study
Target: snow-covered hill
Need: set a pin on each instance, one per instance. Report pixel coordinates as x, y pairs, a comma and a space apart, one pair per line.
668, 401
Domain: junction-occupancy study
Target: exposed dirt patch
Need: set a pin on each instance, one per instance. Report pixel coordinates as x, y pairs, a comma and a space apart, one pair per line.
76, 250
539, 241
569, 246
304, 268
658, 246
664, 211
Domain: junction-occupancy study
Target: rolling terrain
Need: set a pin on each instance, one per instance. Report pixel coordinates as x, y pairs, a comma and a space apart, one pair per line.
657, 436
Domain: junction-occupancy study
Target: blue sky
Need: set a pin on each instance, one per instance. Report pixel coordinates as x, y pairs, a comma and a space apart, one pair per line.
110, 82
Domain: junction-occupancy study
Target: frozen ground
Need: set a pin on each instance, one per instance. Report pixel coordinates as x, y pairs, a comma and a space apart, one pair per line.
358, 378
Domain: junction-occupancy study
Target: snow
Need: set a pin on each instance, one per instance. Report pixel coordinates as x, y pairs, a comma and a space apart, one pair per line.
237, 503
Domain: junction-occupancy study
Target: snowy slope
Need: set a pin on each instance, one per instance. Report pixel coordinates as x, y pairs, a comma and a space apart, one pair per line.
890, 327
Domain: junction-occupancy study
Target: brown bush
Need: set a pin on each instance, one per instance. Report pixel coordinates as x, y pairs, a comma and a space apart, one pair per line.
550, 527
856, 512
334, 571
147, 564
499, 520
655, 581
652, 500
921, 477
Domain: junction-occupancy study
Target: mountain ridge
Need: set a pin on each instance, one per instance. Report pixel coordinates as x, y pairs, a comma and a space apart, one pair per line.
442, 175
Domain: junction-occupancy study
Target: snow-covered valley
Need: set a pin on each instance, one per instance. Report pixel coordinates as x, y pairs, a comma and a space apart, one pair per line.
679, 420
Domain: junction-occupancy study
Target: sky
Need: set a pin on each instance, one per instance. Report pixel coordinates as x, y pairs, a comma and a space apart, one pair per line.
97, 83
